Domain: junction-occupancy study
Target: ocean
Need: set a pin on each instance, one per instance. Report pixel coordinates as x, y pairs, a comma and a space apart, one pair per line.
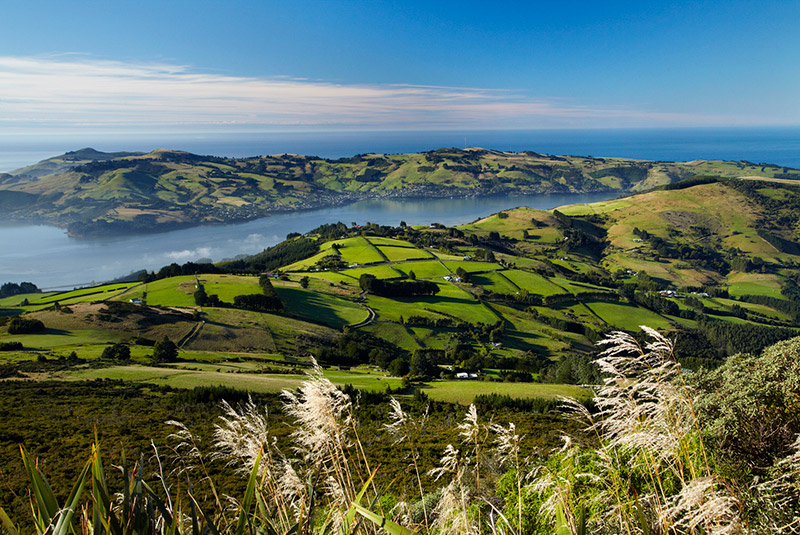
779, 146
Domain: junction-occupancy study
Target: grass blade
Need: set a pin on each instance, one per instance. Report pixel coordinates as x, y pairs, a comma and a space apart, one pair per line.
248, 496
65, 516
6, 522
381, 521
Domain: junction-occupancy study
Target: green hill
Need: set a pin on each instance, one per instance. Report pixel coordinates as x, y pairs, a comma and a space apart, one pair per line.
520, 294
90, 192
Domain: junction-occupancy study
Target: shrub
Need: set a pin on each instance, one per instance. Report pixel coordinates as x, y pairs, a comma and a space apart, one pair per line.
25, 326
118, 351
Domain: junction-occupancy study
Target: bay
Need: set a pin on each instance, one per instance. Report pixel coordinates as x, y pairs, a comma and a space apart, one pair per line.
49, 258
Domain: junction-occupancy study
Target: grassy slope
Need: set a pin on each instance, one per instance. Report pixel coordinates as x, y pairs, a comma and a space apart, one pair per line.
171, 186
313, 315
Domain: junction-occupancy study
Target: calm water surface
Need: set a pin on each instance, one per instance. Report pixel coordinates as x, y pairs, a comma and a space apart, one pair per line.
47, 257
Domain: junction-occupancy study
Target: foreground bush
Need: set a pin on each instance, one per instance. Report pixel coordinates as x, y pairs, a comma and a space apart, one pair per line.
656, 461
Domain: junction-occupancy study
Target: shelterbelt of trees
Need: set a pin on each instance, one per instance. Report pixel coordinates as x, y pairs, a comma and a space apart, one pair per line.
95, 193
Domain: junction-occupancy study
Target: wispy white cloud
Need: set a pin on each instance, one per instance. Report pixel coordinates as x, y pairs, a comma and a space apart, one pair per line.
73, 91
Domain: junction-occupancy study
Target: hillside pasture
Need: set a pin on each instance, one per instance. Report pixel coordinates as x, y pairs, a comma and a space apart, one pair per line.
394, 333
423, 269
765, 284
400, 254
381, 271
533, 282
471, 266
321, 308
464, 392
495, 281
626, 316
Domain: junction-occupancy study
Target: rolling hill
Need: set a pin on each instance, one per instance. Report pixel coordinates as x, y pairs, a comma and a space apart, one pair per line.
92, 193
520, 294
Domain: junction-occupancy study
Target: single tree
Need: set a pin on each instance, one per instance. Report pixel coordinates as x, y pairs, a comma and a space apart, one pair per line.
165, 350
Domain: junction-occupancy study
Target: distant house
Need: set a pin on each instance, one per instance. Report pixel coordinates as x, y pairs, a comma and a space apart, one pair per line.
462, 375
447, 277
136, 301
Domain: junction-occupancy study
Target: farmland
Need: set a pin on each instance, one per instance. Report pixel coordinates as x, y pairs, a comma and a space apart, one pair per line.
520, 290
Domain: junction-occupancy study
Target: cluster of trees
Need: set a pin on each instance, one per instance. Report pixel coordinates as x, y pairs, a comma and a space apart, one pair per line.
119, 352
267, 301
572, 369
742, 337
20, 325
406, 288
177, 270
489, 403
11, 288
202, 299
295, 248
356, 347
704, 256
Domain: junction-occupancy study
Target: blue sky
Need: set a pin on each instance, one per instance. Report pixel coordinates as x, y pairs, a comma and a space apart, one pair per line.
260, 65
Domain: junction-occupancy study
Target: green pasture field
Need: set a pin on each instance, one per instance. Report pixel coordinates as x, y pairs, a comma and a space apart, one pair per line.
227, 286
390, 242
57, 338
432, 338
526, 334
173, 291
254, 327
463, 308
381, 271
495, 282
39, 301
765, 284
351, 250
359, 250
182, 378
451, 301
16, 300
577, 287
338, 277
445, 256
96, 293
471, 266
393, 333
518, 219
321, 308
464, 392
759, 309
626, 316
393, 309
400, 254
533, 282
423, 269
257, 382
303, 265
